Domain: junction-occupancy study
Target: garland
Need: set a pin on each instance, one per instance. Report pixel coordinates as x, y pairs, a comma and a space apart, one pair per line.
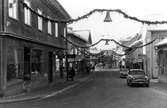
92, 12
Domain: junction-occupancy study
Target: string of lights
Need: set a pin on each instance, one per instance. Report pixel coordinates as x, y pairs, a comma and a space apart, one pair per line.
125, 15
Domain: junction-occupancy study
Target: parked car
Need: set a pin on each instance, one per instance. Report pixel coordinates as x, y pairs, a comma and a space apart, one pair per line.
137, 76
124, 72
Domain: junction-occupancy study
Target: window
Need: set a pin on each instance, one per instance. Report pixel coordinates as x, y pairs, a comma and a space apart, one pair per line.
27, 13
56, 29
12, 6
40, 21
49, 27
64, 32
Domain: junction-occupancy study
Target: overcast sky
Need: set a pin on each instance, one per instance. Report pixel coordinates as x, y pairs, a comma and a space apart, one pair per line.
120, 27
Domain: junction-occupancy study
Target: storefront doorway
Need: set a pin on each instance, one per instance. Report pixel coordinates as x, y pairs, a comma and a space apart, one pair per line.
50, 67
27, 56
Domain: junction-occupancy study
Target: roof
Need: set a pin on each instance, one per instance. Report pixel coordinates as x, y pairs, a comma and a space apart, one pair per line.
163, 42
60, 8
76, 35
83, 34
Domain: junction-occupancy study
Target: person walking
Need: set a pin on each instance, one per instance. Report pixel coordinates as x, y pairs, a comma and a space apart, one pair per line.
27, 82
72, 73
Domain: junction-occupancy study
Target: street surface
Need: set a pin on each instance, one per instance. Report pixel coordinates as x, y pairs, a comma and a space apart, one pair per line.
103, 90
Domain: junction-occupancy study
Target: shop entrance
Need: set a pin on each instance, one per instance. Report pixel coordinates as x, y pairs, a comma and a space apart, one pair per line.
50, 67
27, 66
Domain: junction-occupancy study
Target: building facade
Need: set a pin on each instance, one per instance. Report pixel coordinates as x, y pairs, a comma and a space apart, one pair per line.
161, 52
78, 50
30, 44
151, 53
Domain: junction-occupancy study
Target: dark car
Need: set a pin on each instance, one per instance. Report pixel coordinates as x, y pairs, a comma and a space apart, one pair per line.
137, 76
124, 72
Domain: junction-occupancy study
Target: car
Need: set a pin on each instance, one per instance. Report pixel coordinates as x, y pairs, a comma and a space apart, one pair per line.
138, 76
124, 72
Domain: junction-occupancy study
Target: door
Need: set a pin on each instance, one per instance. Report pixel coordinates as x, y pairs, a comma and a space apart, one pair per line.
50, 67
27, 66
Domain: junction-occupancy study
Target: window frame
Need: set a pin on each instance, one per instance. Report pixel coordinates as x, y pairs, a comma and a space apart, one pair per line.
40, 20
56, 29
27, 13
49, 26
13, 11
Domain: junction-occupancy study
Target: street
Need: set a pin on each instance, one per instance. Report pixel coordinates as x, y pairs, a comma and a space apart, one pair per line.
102, 90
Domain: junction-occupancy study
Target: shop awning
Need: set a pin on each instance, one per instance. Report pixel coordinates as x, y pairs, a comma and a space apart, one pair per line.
163, 42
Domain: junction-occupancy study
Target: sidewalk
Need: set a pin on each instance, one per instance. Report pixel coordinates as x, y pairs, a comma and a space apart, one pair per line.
47, 91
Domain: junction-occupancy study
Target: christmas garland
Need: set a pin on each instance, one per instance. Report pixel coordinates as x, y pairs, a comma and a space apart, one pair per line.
92, 12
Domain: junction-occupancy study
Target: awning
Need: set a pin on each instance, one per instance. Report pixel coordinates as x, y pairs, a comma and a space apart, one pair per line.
163, 42
136, 42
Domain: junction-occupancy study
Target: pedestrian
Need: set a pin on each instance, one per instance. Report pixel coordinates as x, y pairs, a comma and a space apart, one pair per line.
27, 82
72, 73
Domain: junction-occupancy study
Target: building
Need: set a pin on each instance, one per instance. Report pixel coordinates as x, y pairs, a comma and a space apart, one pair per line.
134, 57
111, 58
30, 44
151, 53
78, 50
161, 53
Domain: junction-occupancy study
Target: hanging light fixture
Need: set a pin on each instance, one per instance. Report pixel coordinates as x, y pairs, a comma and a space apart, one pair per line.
107, 42
107, 18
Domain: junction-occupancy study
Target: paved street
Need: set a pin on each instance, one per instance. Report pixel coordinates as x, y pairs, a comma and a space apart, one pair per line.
103, 90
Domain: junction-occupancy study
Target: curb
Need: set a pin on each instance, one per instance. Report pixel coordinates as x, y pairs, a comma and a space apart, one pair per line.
44, 96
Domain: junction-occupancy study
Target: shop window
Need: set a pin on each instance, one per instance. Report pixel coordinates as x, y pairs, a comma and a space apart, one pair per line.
14, 64
57, 63
36, 62
65, 32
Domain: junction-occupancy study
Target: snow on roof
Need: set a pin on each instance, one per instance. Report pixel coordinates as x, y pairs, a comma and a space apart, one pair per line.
83, 34
163, 42
79, 35
136, 42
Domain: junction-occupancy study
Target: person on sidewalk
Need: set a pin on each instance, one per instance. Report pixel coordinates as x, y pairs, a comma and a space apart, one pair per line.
27, 82
72, 73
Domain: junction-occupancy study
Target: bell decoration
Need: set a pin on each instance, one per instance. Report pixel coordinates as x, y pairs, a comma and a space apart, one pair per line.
107, 18
107, 42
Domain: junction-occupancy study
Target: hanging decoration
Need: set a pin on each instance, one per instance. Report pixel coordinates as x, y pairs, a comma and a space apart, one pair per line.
107, 19
107, 40
92, 12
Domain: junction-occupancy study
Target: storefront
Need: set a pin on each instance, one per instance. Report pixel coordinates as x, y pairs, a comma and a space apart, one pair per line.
21, 57
161, 53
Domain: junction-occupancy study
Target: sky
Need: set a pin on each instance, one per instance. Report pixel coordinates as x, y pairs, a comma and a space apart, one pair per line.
119, 28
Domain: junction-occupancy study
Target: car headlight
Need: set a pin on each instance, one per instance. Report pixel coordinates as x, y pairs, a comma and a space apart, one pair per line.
146, 77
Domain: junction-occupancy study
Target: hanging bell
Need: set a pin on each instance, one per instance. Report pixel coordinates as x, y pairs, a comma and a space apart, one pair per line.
107, 18
107, 42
